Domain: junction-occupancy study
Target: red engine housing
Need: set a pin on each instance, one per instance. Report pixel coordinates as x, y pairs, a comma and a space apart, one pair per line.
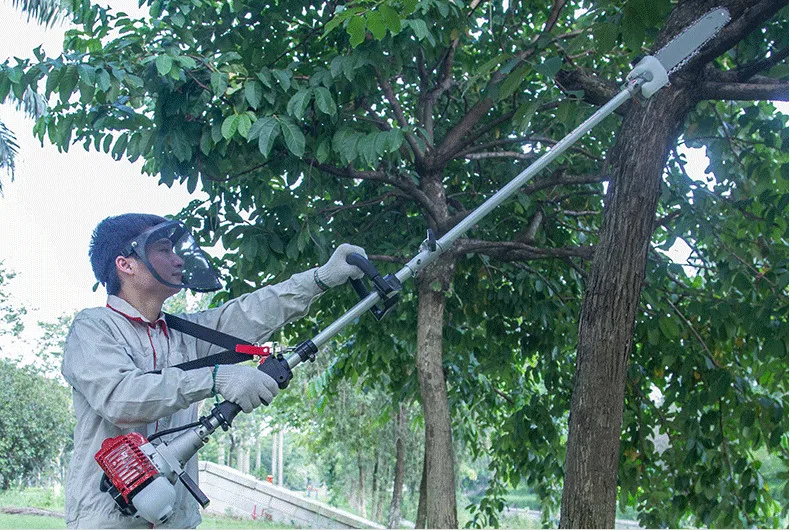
125, 464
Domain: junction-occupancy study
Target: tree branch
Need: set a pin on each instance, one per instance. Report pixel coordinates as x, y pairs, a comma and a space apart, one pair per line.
514, 251
747, 71
558, 178
597, 91
775, 91
554, 15
362, 204
399, 116
403, 184
500, 154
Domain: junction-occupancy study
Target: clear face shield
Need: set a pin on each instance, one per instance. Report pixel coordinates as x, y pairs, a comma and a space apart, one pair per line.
170, 252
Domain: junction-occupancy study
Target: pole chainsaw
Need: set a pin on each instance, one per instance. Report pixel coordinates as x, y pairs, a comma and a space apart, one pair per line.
140, 476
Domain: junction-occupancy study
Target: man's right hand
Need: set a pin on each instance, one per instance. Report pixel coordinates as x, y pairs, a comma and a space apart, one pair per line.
245, 386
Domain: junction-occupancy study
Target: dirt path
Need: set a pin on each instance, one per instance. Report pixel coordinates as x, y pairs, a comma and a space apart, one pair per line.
14, 510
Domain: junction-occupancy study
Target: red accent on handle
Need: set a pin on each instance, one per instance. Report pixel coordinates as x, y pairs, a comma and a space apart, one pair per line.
251, 349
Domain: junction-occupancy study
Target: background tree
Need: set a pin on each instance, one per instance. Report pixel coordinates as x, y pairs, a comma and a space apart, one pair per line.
46, 12
12, 311
312, 125
35, 425
612, 294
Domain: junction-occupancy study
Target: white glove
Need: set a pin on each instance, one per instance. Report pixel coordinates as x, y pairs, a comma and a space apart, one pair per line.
245, 386
336, 271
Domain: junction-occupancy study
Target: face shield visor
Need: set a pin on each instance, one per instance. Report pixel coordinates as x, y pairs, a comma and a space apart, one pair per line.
170, 252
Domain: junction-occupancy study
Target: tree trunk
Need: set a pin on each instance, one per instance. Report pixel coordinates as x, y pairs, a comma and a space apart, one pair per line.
374, 496
280, 458
422, 516
274, 458
439, 465
231, 449
400, 466
611, 299
362, 504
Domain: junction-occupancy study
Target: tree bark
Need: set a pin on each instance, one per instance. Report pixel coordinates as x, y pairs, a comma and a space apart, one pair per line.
375, 488
439, 461
609, 307
393, 520
422, 516
362, 496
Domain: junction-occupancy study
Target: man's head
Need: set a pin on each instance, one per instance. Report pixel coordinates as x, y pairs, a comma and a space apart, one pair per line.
110, 239
150, 249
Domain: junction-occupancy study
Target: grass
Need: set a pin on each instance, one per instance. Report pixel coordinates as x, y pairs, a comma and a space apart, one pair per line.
46, 499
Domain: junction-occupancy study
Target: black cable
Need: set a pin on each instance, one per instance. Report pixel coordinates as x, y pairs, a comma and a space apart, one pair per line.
171, 431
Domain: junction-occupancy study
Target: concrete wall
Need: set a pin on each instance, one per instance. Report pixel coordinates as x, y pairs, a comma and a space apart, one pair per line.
234, 493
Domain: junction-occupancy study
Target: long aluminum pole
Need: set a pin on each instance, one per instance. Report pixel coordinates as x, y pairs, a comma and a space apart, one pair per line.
426, 256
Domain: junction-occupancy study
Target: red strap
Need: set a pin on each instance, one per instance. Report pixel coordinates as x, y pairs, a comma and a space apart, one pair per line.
251, 349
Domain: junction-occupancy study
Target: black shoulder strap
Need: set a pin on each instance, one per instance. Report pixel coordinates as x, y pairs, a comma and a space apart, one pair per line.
230, 356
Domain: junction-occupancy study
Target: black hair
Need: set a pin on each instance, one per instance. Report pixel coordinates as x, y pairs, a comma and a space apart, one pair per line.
108, 241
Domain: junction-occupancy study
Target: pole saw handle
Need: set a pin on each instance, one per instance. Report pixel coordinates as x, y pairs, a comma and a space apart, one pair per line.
274, 366
387, 287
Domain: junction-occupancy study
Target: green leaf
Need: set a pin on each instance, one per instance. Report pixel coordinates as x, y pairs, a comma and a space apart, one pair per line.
276, 244
265, 76
324, 101
512, 82
356, 30
120, 146
298, 103
550, 66
52, 81
186, 61
380, 143
244, 124
192, 182
87, 74
68, 82
632, 27
294, 139
206, 142
164, 63
266, 130
421, 30
338, 19
376, 25
253, 93
103, 79
283, 77
395, 139
178, 19
323, 150
219, 83
605, 37
367, 148
229, 126
344, 142
390, 18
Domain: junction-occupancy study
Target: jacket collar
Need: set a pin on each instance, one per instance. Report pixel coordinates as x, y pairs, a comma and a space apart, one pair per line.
122, 307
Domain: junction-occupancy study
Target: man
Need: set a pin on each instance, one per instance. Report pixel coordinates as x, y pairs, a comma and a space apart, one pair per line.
111, 351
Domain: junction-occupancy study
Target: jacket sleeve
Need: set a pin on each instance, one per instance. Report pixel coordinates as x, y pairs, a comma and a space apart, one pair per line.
256, 315
100, 367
